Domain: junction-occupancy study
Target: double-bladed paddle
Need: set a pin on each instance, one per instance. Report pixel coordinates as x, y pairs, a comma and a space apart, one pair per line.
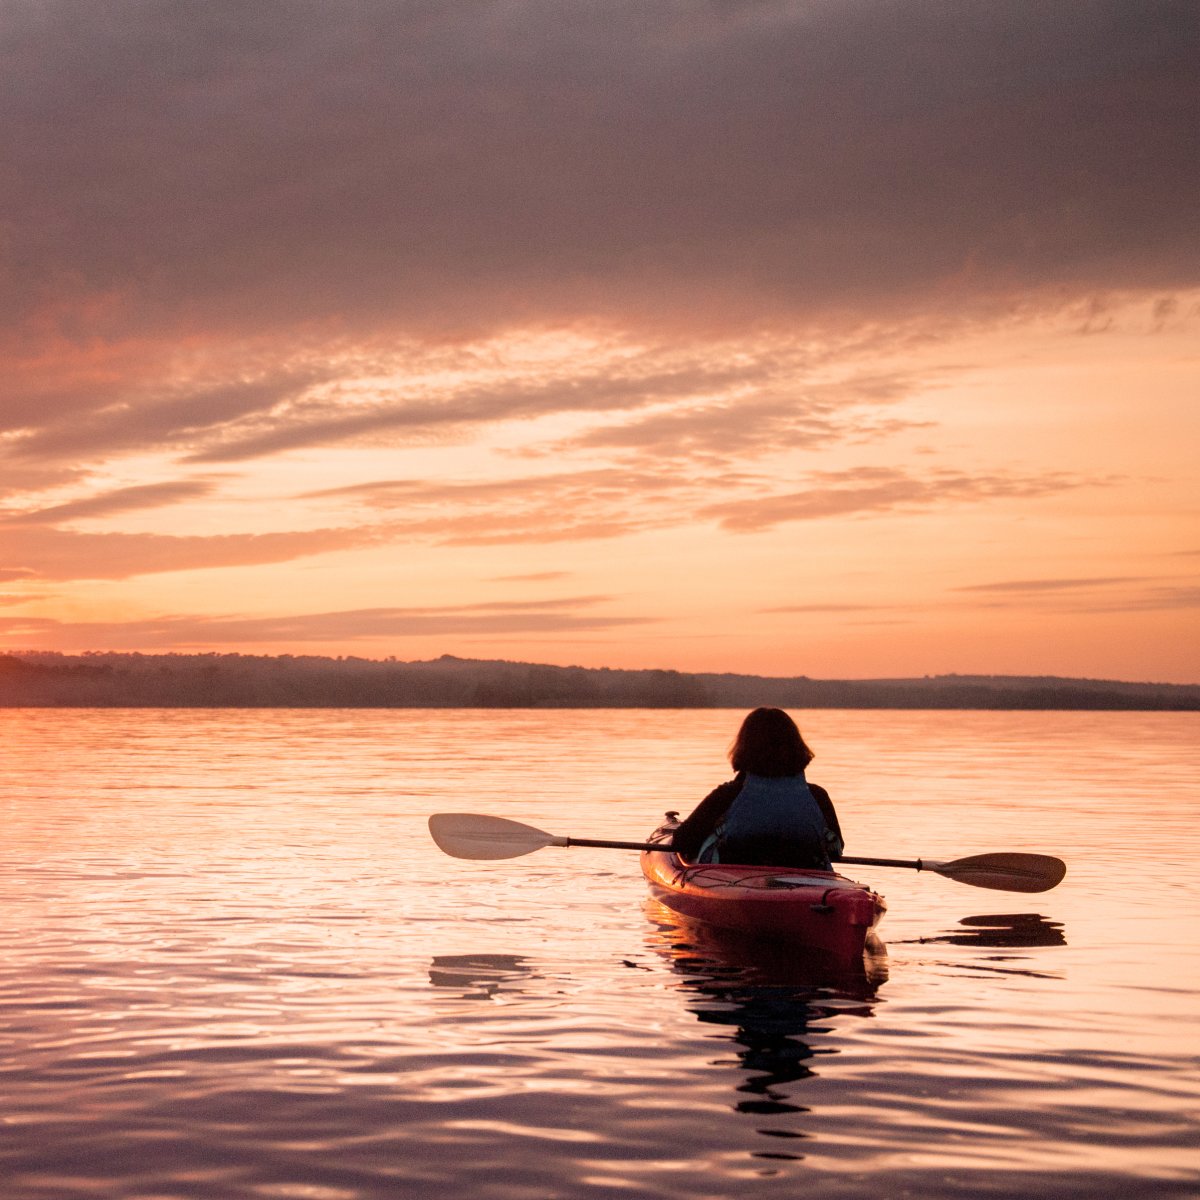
469, 835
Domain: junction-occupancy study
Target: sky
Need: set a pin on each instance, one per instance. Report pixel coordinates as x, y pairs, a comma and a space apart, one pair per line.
845, 339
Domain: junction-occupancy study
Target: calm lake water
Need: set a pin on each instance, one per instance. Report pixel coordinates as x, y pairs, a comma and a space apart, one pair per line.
233, 964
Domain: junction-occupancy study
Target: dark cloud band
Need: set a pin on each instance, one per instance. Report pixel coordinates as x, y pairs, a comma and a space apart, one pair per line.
449, 166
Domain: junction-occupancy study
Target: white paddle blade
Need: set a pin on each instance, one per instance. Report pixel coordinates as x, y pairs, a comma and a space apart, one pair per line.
467, 835
1012, 872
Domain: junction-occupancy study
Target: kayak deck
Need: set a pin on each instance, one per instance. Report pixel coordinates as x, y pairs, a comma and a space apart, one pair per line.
820, 910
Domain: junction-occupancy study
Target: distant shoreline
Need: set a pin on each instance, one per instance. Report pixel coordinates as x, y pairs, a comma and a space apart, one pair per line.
30, 679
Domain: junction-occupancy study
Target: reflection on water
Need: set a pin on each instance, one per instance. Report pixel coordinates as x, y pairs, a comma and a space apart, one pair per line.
776, 1003
480, 976
1004, 930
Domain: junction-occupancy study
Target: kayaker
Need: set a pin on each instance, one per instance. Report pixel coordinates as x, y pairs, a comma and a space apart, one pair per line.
768, 814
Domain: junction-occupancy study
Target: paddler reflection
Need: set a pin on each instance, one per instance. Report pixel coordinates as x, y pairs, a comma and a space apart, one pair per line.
480, 976
773, 999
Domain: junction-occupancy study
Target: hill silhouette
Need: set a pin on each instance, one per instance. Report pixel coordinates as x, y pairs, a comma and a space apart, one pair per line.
214, 680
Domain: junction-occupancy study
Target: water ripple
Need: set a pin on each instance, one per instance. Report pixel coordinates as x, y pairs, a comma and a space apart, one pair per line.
232, 966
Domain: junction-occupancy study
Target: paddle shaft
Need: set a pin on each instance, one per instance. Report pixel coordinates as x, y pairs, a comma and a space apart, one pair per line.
601, 844
913, 864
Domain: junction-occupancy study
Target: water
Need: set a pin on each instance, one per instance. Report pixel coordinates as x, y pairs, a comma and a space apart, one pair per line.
233, 965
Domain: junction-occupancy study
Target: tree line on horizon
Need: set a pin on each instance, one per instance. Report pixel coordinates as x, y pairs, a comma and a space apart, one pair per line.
221, 680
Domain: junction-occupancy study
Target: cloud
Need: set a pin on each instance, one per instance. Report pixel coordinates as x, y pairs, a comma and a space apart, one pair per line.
238, 405
447, 168
15, 599
879, 490
613, 501
557, 506
120, 500
37, 552
571, 388
1164, 597
770, 414
142, 418
579, 505
21, 479
1033, 586
1099, 594
226, 225
564, 615
411, 494
72, 402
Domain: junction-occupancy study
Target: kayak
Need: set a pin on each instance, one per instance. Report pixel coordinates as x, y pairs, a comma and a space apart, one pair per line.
819, 910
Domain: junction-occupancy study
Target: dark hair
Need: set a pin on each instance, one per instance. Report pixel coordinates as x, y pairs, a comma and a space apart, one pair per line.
769, 743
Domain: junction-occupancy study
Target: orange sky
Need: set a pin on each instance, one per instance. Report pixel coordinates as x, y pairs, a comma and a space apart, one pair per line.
788, 338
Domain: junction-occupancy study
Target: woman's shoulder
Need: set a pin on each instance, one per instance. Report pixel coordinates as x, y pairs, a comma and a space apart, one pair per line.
727, 790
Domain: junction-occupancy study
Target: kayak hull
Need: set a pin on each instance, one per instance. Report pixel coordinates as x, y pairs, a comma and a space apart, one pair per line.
820, 911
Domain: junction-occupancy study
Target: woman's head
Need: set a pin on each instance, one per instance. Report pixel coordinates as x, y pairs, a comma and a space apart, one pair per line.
769, 743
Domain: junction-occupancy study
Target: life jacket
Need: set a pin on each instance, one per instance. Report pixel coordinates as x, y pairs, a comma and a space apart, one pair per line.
771, 822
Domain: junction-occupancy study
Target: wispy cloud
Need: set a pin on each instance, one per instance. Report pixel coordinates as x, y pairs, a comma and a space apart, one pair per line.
141, 418
611, 501
20, 480
119, 500
59, 554
1084, 594
571, 388
246, 408
558, 506
1097, 594
1164, 597
880, 490
539, 509
565, 615
1034, 586
799, 415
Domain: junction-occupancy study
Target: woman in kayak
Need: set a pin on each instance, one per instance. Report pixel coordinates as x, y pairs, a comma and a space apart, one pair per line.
769, 814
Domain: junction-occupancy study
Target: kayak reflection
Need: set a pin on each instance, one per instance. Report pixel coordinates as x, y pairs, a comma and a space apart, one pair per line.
774, 1000
480, 976
1004, 930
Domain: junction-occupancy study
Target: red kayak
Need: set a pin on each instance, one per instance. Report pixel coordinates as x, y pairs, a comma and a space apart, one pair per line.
819, 910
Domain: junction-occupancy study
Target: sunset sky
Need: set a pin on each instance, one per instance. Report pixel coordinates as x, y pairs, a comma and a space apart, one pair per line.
847, 339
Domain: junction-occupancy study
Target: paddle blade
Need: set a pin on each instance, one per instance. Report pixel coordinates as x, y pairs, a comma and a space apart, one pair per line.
467, 835
1009, 872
